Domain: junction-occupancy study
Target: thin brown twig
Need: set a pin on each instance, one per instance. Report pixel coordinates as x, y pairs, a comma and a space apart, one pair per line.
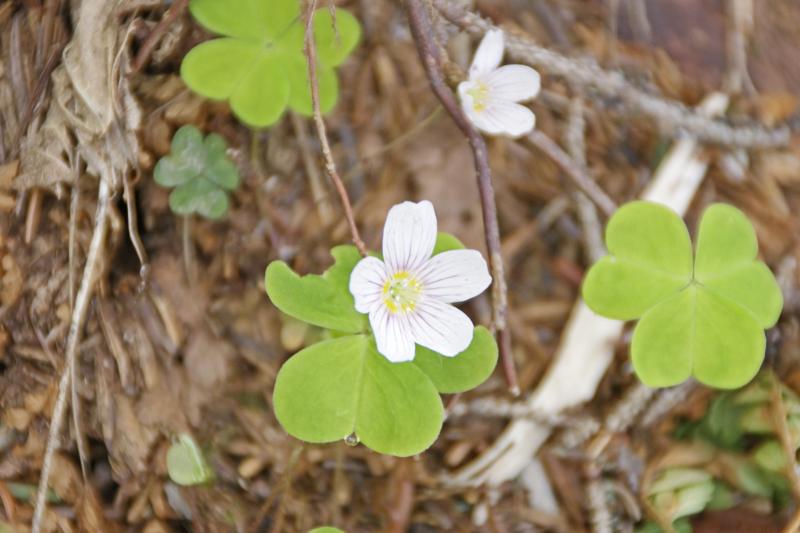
330, 167
672, 116
544, 143
431, 56
177, 8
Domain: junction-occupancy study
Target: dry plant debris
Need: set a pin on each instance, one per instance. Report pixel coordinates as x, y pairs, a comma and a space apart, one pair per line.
109, 351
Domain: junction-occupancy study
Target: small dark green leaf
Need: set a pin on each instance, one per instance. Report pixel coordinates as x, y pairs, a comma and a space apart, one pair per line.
199, 196
199, 170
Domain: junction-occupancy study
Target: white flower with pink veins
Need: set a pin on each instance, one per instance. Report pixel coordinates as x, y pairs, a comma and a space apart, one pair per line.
490, 96
408, 295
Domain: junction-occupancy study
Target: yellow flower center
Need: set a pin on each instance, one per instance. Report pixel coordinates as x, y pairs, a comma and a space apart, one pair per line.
401, 292
480, 96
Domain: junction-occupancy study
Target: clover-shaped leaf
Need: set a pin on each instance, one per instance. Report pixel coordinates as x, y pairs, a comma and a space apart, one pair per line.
324, 300
200, 172
342, 386
703, 316
259, 66
463, 372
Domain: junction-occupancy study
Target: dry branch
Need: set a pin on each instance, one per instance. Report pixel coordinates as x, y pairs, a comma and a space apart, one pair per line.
93, 262
671, 116
431, 56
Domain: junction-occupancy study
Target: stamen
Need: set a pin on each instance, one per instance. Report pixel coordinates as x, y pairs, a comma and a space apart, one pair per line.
401, 292
480, 96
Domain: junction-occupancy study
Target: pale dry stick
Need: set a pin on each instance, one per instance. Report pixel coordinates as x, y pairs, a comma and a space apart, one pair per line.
318, 192
330, 166
431, 56
540, 140
739, 24
72, 246
133, 228
575, 140
587, 343
94, 259
672, 116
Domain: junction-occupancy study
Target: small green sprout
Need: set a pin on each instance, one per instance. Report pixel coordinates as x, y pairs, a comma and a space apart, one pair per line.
259, 64
200, 171
345, 387
186, 464
703, 315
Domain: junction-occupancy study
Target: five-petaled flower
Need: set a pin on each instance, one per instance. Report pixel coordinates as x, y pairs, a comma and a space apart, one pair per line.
491, 94
409, 294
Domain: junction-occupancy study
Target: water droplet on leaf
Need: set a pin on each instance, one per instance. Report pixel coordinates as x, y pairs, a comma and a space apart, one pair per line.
351, 439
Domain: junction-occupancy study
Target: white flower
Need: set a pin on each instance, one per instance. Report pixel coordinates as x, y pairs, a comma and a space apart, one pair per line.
489, 97
408, 294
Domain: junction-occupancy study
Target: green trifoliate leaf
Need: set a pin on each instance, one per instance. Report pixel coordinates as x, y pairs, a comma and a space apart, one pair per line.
343, 386
650, 258
300, 89
466, 370
680, 337
199, 196
200, 171
244, 19
215, 69
703, 317
323, 301
185, 462
264, 91
727, 264
259, 65
335, 42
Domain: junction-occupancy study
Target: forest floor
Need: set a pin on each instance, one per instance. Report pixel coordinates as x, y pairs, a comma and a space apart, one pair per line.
191, 342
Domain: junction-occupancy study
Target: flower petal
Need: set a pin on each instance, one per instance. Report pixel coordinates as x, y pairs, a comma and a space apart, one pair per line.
515, 83
502, 118
455, 276
366, 283
409, 235
392, 336
440, 327
488, 55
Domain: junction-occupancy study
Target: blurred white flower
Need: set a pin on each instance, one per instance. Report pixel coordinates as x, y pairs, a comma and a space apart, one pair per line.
491, 94
408, 294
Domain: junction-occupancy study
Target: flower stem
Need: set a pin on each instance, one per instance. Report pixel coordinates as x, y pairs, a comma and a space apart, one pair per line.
431, 56
330, 166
